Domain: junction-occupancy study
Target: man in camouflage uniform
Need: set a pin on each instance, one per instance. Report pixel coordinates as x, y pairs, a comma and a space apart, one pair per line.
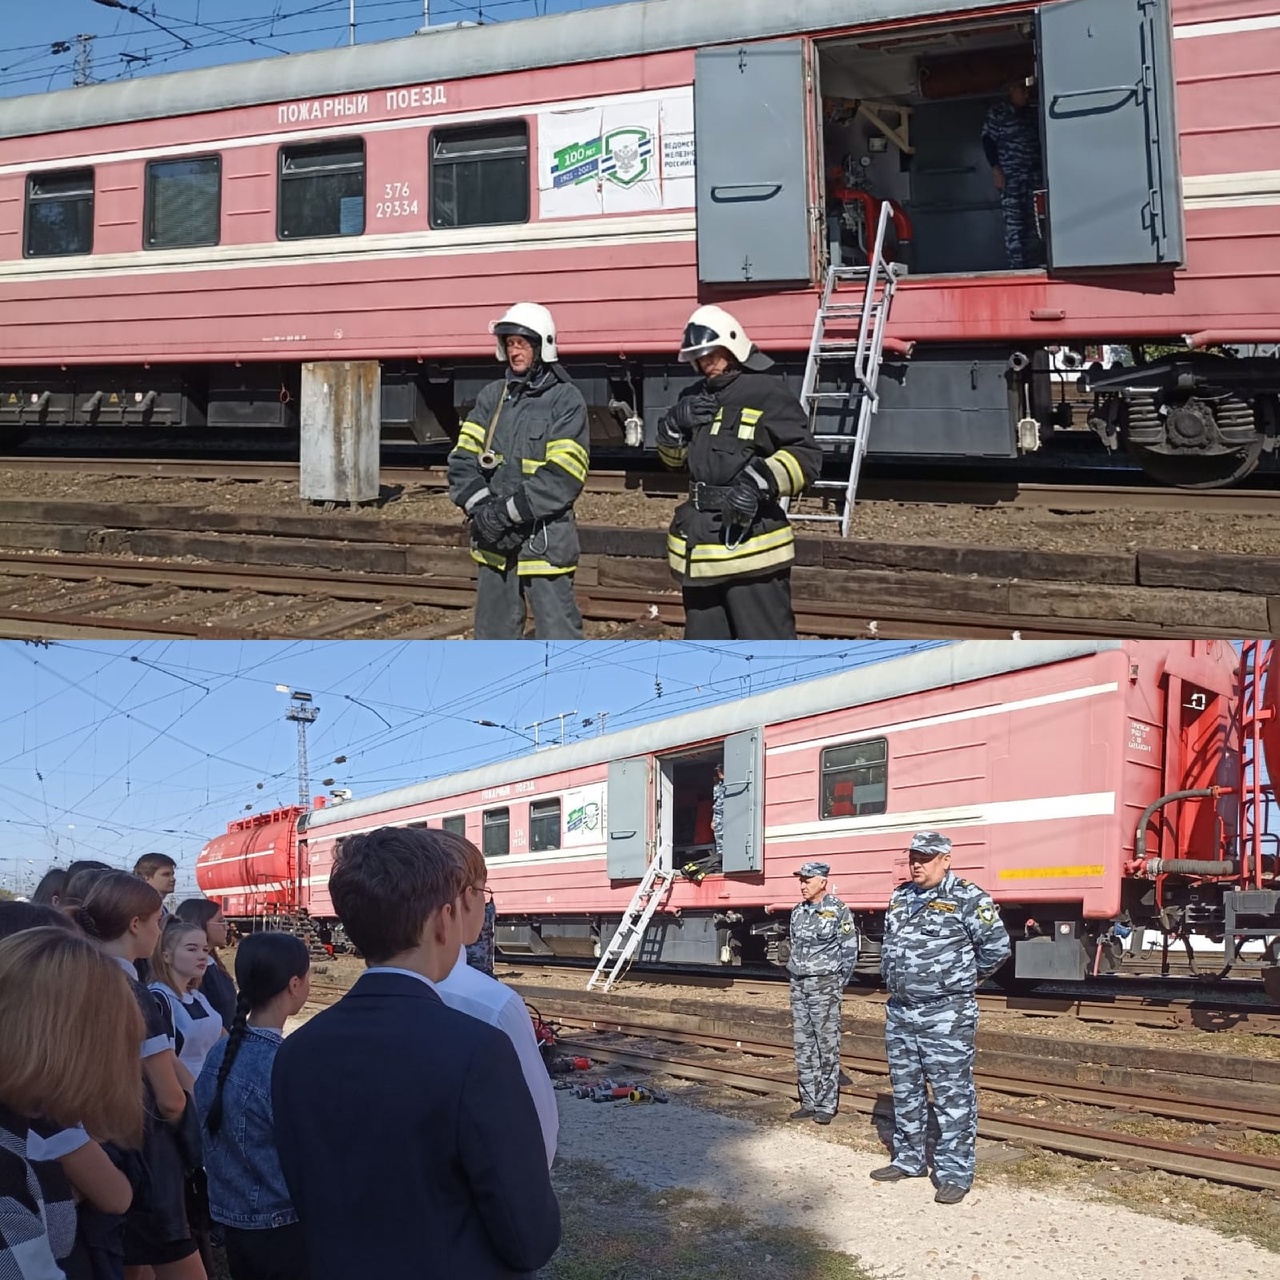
1011, 142
824, 950
480, 952
942, 936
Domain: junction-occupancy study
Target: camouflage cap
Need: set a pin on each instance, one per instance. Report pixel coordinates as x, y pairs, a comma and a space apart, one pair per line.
929, 843
810, 869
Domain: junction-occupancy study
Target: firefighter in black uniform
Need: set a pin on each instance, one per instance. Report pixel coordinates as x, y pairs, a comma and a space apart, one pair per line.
747, 444
518, 467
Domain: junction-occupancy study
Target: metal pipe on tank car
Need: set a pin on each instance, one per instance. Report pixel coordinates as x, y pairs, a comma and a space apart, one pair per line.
1219, 337
1140, 833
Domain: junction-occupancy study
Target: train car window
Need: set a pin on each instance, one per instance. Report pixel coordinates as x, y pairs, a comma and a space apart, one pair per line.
497, 833
322, 190
480, 175
59, 213
855, 779
184, 202
544, 825
457, 825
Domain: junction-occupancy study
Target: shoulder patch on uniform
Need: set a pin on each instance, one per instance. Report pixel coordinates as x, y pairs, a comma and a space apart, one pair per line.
987, 913
940, 904
847, 927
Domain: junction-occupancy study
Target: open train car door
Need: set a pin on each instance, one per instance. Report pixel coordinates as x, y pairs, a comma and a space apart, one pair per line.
1110, 139
627, 818
752, 117
743, 839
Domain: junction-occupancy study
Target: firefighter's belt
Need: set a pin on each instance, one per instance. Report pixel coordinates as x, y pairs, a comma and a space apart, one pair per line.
709, 497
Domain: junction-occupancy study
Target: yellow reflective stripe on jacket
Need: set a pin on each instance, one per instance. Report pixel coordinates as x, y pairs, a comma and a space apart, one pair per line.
569, 456
473, 429
716, 421
747, 423
467, 445
786, 472
714, 560
542, 569
673, 457
490, 558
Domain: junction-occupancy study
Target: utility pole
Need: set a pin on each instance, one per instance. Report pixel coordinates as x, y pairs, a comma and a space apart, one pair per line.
82, 73
351, 22
302, 712
537, 725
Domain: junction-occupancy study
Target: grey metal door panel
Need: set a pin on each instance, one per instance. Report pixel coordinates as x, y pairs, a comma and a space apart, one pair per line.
744, 801
1110, 142
749, 111
627, 817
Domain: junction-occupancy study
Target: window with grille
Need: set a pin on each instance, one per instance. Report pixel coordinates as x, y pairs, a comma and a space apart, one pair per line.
497, 833
456, 824
322, 190
544, 825
59, 213
855, 779
184, 202
480, 175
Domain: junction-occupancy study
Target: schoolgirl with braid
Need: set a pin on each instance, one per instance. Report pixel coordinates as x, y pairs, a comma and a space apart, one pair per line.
247, 1191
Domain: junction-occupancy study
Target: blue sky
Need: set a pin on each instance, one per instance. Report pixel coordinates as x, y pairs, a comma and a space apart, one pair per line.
218, 31
110, 750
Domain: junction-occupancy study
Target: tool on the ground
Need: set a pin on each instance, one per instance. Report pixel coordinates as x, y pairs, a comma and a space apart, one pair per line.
646, 1093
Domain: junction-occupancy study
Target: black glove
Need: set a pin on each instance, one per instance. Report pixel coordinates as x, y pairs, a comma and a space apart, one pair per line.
743, 500
494, 528
684, 418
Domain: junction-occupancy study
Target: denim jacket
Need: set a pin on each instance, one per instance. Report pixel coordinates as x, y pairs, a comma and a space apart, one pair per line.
246, 1187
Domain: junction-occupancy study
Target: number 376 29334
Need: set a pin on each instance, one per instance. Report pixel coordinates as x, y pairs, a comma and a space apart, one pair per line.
398, 201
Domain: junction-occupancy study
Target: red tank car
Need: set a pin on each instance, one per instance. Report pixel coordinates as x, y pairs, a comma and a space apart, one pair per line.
173, 250
253, 870
1085, 785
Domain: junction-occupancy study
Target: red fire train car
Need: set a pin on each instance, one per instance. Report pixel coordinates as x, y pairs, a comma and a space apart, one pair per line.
1082, 783
173, 249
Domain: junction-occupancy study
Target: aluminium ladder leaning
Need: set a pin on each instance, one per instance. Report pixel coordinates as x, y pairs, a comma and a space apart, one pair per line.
871, 313
623, 945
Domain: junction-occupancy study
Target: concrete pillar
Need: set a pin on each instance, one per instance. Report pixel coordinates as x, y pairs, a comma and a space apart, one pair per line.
341, 430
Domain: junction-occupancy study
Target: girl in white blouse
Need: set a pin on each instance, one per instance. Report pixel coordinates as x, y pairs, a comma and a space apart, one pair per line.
177, 965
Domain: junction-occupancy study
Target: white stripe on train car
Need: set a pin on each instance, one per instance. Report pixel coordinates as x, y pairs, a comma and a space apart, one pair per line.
1226, 27
519, 860
612, 231
996, 813
950, 717
1232, 190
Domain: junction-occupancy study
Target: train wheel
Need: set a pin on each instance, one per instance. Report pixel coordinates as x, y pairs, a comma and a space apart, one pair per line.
1188, 471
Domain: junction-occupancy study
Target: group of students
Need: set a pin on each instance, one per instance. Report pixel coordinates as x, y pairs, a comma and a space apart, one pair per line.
146, 1104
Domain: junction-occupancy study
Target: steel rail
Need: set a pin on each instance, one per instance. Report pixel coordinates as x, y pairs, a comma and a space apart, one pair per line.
984, 493
1188, 1107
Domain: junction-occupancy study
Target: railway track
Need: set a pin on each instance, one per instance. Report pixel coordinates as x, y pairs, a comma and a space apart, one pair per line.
753, 1054
1056, 495
141, 570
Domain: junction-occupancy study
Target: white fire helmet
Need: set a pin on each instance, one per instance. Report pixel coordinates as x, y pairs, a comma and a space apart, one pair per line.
527, 320
712, 327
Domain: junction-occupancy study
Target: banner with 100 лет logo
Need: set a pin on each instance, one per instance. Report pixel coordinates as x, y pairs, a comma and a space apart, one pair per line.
629, 155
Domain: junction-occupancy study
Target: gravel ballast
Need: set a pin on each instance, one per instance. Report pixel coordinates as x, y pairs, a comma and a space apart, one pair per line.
787, 1176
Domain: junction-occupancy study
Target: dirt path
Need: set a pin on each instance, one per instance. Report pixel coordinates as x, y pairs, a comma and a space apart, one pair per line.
787, 1176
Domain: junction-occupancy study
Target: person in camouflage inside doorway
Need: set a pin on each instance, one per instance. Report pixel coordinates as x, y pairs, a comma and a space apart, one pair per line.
480, 952
942, 936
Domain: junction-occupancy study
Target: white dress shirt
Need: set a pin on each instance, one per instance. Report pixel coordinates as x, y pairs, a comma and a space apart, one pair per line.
475, 993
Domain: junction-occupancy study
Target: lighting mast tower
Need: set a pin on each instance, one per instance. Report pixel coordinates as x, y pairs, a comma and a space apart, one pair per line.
302, 712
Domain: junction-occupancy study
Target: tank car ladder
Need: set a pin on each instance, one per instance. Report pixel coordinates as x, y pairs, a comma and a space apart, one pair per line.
865, 353
624, 944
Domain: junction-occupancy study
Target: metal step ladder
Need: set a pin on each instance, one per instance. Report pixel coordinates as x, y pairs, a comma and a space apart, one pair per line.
863, 354
624, 944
